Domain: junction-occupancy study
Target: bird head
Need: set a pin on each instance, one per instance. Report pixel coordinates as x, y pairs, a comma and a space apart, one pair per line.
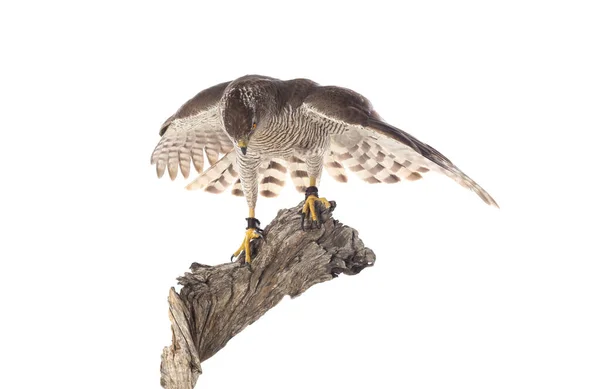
241, 115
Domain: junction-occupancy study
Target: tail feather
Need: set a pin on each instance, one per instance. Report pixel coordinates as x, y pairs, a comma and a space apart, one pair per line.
237, 190
299, 173
273, 178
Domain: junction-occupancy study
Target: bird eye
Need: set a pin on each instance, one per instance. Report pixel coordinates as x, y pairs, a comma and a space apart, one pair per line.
253, 126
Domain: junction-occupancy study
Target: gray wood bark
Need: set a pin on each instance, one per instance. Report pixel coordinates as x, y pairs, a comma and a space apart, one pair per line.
217, 302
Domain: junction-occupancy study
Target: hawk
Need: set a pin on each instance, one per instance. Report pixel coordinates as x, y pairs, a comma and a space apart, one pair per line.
256, 129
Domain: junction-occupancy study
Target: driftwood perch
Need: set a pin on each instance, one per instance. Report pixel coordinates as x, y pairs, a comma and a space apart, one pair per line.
217, 302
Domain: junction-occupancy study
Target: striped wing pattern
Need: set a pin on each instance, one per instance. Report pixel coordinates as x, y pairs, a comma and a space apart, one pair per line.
360, 141
372, 163
374, 150
187, 140
218, 177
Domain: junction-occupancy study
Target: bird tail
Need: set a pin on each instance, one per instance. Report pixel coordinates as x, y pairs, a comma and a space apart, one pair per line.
223, 174
272, 178
299, 173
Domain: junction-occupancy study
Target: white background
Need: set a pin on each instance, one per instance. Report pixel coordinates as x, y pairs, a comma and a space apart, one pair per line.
462, 295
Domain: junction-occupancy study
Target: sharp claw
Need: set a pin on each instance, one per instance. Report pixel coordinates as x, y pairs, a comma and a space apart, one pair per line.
319, 219
232, 256
314, 218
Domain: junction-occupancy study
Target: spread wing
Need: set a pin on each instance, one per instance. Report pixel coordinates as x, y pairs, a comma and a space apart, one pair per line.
194, 130
374, 150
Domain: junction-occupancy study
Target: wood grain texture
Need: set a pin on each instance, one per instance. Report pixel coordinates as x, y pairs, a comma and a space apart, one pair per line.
217, 302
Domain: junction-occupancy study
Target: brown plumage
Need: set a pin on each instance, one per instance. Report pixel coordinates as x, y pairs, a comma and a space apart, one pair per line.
291, 127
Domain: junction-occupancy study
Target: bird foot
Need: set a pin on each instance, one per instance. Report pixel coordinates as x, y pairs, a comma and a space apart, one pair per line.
310, 213
252, 232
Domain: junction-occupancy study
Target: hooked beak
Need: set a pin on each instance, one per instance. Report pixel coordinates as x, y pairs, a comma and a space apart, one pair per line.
243, 146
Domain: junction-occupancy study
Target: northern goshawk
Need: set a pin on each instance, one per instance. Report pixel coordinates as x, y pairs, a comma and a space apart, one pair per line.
255, 129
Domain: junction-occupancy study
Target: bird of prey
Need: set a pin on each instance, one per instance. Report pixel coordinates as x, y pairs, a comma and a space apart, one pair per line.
255, 129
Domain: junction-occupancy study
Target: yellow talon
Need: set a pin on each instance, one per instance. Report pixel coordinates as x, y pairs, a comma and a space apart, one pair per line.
309, 204
251, 233
310, 208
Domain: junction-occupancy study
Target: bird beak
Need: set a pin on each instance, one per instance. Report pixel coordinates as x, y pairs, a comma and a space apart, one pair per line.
243, 146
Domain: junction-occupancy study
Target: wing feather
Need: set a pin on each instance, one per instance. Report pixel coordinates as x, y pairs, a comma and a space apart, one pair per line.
195, 130
357, 127
223, 167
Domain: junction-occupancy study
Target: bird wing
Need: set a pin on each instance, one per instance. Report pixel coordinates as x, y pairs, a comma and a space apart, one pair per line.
217, 178
373, 149
194, 130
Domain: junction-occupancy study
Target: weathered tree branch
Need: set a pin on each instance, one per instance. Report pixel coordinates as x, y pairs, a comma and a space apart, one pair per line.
217, 302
